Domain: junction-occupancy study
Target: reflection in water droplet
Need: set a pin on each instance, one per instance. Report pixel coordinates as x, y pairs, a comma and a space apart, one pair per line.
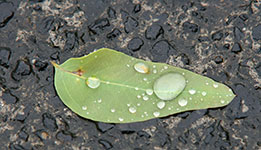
204, 93
156, 114
161, 105
215, 85
149, 91
182, 102
136, 88
154, 66
145, 98
84, 107
128, 65
207, 83
165, 67
93, 82
112, 110
138, 96
87, 113
138, 104
141, 67
99, 100
222, 101
145, 79
169, 86
107, 82
192, 91
121, 119
132, 110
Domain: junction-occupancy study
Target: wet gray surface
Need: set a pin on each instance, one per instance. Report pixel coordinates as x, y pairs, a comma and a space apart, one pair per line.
218, 39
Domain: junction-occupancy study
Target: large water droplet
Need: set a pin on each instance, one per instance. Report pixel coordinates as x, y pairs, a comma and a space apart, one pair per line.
182, 102
149, 91
169, 86
141, 67
93, 82
132, 110
161, 105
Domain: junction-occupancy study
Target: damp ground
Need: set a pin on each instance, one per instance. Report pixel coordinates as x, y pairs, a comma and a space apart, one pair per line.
218, 39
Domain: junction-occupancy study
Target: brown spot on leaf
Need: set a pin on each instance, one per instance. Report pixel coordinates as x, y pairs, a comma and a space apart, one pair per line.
79, 72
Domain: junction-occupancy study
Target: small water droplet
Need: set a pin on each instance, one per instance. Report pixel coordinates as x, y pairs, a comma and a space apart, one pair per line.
136, 88
113, 110
93, 82
183, 73
132, 110
156, 114
145, 79
222, 101
207, 83
95, 56
169, 108
182, 102
190, 98
87, 113
121, 119
142, 116
107, 82
145, 98
77, 79
154, 66
161, 105
84, 107
138, 104
204, 93
128, 105
99, 100
128, 65
138, 96
141, 67
215, 85
165, 67
143, 94
154, 71
192, 91
149, 91
169, 86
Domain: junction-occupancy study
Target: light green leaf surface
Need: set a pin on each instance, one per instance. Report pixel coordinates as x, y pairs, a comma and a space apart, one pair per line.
109, 86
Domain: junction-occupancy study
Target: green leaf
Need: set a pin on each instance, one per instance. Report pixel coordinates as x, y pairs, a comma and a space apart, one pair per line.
109, 86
